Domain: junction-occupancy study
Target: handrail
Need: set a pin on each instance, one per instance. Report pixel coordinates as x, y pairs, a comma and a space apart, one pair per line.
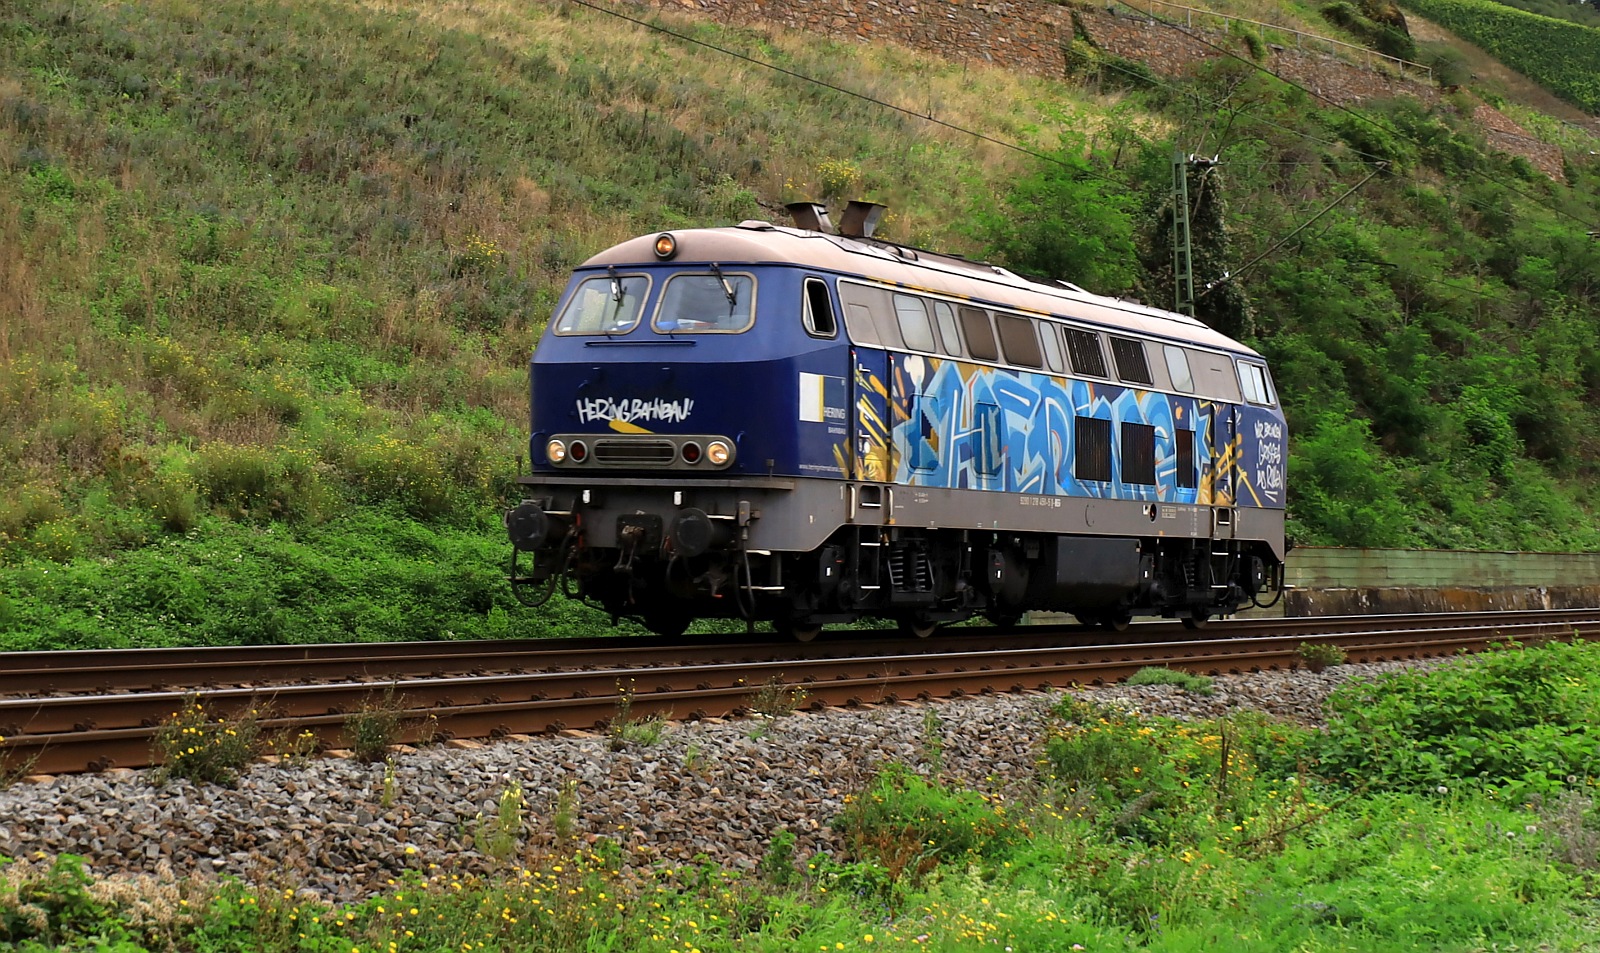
1299, 37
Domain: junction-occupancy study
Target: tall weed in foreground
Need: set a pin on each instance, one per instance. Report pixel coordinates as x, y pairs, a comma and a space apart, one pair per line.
376, 725
499, 835
909, 824
1233, 781
197, 744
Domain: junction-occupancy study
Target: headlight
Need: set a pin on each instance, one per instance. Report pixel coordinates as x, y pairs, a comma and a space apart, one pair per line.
718, 453
691, 452
577, 453
556, 451
666, 246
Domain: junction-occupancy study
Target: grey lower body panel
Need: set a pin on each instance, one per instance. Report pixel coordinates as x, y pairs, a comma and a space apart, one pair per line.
799, 514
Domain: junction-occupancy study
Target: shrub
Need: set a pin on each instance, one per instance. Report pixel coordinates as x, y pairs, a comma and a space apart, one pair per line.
262, 483
1164, 781
1064, 220
376, 725
1518, 721
1188, 681
909, 824
476, 256
725, 199
1250, 38
1320, 655
195, 743
499, 835
172, 500
27, 507
838, 179
55, 907
776, 699
389, 469
624, 729
295, 748
777, 865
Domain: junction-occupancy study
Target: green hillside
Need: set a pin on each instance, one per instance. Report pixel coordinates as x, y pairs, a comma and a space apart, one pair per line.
270, 272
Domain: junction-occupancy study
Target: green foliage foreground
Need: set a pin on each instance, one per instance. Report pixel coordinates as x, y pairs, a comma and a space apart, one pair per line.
371, 576
1137, 833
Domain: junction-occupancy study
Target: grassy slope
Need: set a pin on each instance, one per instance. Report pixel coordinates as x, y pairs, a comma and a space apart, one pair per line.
271, 272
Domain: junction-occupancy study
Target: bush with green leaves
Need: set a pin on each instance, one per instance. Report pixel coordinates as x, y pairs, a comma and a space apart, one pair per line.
1067, 220
368, 576
1164, 781
55, 908
908, 824
1188, 681
1518, 721
198, 744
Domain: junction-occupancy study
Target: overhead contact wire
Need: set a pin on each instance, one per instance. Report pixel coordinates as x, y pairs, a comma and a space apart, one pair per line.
925, 117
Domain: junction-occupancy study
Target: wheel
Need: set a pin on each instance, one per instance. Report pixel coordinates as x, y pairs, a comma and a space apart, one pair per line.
667, 623
1196, 620
915, 626
799, 631
1118, 620
1004, 618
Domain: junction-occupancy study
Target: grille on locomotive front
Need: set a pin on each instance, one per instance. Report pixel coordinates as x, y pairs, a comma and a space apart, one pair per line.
635, 453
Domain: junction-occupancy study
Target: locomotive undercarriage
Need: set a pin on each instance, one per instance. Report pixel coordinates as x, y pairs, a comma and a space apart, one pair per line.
667, 572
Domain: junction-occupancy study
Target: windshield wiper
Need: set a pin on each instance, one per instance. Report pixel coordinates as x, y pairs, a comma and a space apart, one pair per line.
727, 289
616, 284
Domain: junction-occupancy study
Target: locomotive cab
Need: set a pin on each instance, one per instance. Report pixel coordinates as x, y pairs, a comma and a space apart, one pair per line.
796, 426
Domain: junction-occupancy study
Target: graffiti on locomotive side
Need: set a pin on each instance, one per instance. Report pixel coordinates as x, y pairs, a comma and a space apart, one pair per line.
967, 427
1269, 459
634, 411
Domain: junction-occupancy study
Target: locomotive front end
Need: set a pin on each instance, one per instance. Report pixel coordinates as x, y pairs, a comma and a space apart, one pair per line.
665, 443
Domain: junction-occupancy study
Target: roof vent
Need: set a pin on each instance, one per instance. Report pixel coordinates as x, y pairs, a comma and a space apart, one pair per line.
811, 216
861, 219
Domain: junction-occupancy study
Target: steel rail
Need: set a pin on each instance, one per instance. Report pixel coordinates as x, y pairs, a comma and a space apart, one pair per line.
75, 733
105, 670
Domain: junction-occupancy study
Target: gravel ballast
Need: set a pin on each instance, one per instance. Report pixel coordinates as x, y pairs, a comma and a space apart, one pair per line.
718, 790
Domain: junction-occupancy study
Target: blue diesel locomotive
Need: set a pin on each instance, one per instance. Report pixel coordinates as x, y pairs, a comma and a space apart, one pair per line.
809, 425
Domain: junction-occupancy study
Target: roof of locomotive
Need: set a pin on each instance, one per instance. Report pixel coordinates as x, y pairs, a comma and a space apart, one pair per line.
758, 242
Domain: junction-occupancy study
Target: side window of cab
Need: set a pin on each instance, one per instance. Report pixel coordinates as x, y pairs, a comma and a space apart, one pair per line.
1256, 385
819, 318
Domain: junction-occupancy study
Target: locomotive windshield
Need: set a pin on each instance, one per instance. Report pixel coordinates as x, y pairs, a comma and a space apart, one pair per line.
710, 302
605, 305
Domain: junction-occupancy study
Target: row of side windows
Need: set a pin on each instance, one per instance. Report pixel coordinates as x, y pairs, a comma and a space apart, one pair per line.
964, 331
1092, 457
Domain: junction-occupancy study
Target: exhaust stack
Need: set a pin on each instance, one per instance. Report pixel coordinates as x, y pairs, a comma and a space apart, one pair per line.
811, 216
861, 219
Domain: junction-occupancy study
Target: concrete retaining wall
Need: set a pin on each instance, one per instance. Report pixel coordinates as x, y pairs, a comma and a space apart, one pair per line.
1336, 581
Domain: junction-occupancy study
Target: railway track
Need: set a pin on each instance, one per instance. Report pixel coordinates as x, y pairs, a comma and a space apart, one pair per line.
84, 711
